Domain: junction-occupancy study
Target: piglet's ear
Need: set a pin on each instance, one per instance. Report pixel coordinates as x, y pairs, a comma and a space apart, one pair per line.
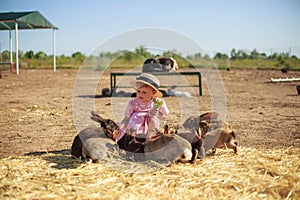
116, 134
199, 133
96, 117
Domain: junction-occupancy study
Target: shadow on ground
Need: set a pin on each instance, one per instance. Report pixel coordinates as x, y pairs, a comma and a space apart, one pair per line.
61, 159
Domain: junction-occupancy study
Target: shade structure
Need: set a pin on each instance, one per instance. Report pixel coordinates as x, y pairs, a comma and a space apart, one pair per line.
26, 20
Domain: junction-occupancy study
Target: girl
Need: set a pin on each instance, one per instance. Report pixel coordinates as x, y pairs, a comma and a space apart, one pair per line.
143, 113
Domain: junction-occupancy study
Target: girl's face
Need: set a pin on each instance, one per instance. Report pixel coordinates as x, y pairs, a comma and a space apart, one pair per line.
145, 93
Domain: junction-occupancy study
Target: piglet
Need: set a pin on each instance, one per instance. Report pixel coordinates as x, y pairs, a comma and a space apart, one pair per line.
220, 138
90, 132
97, 149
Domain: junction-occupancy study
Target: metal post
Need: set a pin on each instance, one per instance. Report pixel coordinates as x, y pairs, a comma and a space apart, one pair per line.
10, 48
54, 49
200, 83
17, 48
111, 85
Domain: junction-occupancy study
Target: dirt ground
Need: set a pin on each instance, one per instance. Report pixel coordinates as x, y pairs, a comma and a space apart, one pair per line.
36, 109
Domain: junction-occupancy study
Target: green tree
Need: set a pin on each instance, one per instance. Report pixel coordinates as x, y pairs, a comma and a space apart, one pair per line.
79, 57
241, 54
254, 54
6, 55
105, 55
233, 54
294, 57
128, 56
141, 51
284, 61
206, 57
198, 55
221, 56
29, 54
273, 56
40, 55
263, 55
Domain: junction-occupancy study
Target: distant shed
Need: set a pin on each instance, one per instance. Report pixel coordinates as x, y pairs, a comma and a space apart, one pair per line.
25, 20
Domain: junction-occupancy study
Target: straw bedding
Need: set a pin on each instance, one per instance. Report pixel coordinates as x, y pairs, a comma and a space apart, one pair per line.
252, 174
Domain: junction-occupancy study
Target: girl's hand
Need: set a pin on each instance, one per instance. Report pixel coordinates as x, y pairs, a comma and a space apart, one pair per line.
157, 103
153, 112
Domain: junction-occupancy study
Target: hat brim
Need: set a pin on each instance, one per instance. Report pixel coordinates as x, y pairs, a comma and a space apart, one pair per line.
157, 94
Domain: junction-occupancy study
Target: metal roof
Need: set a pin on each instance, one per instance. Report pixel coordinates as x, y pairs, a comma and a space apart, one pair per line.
25, 20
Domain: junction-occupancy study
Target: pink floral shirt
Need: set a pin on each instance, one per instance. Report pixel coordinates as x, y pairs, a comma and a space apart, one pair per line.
138, 113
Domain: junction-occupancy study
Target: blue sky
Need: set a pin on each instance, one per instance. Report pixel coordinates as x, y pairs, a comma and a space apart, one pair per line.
217, 25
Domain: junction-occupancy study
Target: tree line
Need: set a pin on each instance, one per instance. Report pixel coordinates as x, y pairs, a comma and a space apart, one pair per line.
126, 58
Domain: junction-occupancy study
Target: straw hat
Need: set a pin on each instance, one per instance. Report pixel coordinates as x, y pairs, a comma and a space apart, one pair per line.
148, 79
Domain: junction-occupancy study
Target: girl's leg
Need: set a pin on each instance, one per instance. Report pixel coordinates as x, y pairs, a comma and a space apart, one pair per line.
153, 126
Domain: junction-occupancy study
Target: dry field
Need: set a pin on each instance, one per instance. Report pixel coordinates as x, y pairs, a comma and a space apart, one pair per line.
37, 127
